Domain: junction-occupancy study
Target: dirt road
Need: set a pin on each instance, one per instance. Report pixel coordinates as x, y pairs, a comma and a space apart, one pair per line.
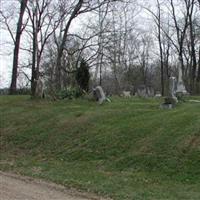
14, 187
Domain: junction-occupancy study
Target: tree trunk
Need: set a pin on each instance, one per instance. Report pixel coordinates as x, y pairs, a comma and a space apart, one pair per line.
35, 54
161, 51
13, 86
62, 45
193, 55
34, 63
198, 76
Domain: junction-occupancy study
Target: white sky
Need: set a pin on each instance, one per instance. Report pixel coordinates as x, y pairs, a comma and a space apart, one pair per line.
6, 47
5, 62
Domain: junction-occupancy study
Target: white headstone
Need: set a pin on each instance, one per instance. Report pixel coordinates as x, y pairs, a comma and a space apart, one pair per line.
126, 94
141, 91
99, 94
145, 91
158, 94
172, 88
180, 83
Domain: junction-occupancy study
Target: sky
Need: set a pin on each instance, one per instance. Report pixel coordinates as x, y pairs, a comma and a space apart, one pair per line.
6, 46
5, 62
6, 51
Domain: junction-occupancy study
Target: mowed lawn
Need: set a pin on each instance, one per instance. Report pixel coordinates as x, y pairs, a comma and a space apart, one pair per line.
127, 149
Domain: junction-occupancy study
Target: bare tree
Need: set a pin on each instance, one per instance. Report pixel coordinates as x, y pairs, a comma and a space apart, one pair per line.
43, 24
79, 8
181, 30
158, 23
16, 39
101, 18
163, 37
74, 13
193, 51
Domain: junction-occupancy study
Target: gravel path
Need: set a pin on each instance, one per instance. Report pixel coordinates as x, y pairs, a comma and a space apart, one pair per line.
14, 187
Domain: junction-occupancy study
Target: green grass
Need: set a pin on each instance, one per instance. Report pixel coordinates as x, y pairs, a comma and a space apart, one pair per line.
127, 149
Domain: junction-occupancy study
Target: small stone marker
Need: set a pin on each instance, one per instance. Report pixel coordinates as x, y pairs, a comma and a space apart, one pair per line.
145, 91
99, 94
126, 94
141, 91
158, 94
180, 84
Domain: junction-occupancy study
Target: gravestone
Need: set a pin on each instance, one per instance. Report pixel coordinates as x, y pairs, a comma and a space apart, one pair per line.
166, 106
158, 94
145, 91
172, 88
39, 92
180, 84
99, 94
171, 100
150, 92
141, 91
126, 94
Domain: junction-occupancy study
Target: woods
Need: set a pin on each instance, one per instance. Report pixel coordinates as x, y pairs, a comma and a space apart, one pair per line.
125, 44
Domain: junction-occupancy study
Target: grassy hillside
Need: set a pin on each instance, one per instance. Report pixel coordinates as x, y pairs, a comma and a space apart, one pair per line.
127, 149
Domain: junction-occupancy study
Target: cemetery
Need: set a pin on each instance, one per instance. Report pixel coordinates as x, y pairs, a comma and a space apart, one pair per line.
100, 100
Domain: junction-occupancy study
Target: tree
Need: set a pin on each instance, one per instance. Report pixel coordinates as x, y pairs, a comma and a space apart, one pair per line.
20, 28
43, 25
164, 45
74, 13
79, 8
193, 66
181, 29
157, 20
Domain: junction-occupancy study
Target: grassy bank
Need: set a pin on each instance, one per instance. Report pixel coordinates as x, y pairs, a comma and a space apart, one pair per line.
127, 149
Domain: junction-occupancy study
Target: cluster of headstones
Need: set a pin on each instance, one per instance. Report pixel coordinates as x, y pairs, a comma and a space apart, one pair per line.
142, 91
176, 88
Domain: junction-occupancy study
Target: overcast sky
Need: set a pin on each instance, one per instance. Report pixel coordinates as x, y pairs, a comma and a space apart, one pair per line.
6, 47
6, 44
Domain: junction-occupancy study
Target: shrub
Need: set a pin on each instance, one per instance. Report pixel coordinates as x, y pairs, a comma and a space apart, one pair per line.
23, 91
70, 93
83, 76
